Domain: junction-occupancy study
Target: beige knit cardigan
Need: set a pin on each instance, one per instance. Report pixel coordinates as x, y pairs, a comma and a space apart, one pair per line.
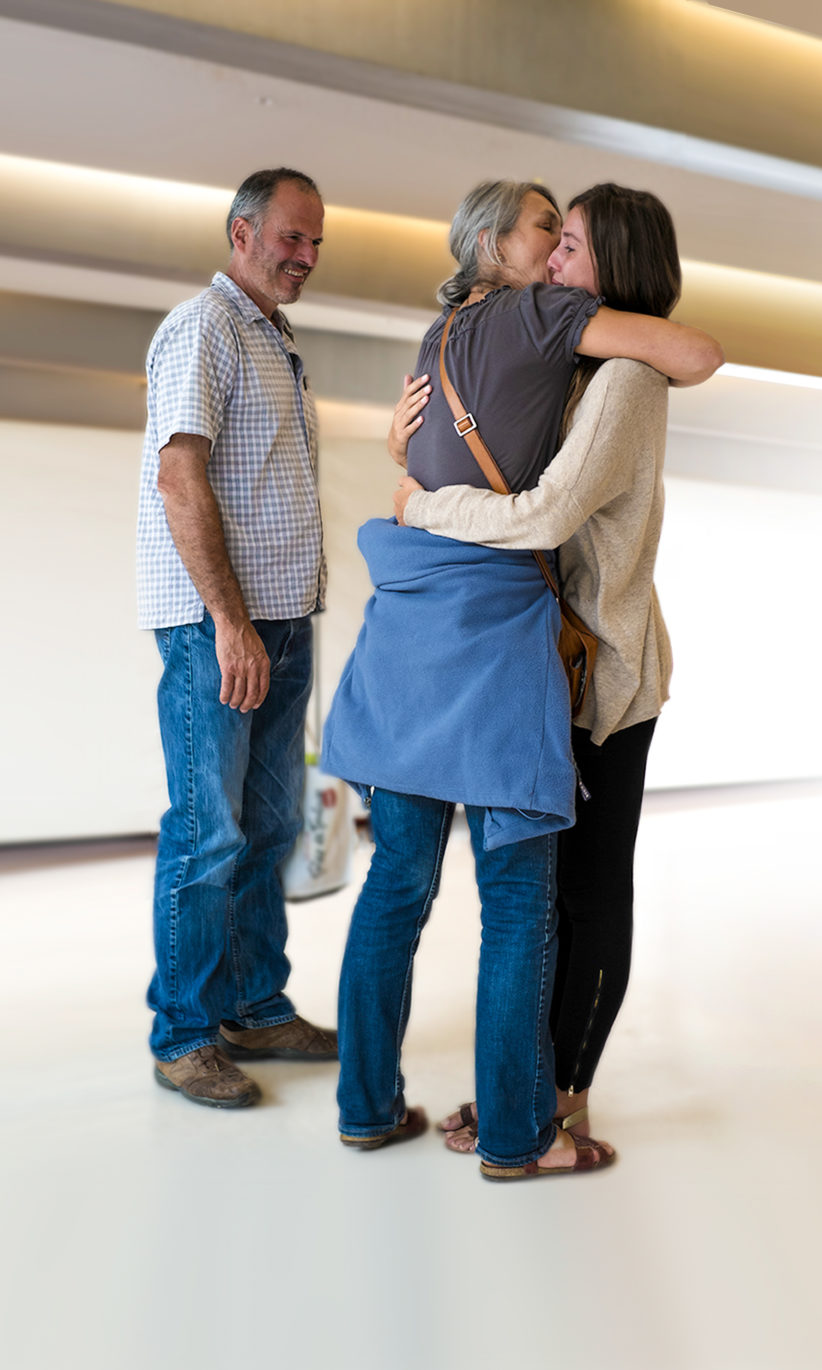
600, 502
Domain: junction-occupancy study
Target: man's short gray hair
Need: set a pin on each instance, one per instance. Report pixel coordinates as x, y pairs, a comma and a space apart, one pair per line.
254, 195
494, 207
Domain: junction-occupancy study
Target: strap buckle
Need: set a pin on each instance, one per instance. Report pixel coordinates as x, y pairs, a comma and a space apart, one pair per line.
470, 424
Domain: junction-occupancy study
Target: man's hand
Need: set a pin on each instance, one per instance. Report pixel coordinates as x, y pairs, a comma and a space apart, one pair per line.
407, 416
404, 490
244, 665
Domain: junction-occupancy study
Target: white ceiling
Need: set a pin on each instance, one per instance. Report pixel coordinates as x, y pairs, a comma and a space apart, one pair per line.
82, 100
384, 144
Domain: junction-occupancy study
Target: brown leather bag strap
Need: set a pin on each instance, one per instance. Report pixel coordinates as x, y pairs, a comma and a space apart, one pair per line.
466, 425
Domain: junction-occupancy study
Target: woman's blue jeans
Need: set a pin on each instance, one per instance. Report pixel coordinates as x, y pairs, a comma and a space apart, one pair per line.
235, 786
516, 1098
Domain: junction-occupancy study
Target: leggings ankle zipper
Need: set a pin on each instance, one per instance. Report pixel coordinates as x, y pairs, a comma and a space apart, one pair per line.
583, 1046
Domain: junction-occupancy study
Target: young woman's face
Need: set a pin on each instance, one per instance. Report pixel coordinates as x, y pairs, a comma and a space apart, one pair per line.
526, 249
571, 262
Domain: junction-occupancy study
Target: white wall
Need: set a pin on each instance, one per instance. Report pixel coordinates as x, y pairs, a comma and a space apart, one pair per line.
737, 579
79, 743
78, 735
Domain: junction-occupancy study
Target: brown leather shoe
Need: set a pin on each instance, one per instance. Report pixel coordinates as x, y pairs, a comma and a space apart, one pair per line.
206, 1076
295, 1041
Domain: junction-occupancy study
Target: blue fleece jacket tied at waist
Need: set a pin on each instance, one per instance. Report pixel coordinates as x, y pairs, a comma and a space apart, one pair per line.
455, 689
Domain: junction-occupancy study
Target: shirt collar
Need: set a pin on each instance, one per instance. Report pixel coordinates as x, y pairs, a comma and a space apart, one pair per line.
243, 303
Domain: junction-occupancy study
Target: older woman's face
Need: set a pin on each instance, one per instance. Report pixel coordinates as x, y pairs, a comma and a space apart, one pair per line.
526, 249
571, 261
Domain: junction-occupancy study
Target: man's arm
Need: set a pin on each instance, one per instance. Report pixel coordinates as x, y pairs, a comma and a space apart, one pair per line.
197, 530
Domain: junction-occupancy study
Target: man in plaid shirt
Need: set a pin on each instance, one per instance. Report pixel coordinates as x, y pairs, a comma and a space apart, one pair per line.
230, 568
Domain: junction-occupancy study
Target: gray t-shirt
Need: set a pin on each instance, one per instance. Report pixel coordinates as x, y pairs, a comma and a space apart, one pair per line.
510, 358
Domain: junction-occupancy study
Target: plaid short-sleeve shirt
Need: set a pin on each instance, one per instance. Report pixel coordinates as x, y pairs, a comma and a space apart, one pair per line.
218, 368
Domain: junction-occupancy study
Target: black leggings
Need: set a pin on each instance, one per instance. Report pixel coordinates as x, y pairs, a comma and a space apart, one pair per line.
595, 900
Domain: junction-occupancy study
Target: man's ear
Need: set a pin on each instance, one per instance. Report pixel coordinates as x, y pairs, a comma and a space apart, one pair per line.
241, 233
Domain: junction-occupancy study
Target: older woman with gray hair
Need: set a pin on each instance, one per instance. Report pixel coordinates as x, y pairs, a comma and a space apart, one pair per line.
455, 693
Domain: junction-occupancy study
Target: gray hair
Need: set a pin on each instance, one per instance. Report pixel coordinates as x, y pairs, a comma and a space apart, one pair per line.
254, 195
494, 207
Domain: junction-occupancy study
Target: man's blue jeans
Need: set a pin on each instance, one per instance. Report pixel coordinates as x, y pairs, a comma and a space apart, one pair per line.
516, 1099
235, 786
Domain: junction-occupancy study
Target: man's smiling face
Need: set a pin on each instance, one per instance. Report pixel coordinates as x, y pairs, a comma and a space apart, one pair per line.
272, 262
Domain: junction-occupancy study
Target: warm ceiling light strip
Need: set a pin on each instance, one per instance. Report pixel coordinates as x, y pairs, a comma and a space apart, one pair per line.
761, 373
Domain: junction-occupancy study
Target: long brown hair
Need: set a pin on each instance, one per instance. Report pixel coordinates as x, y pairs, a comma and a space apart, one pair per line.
632, 240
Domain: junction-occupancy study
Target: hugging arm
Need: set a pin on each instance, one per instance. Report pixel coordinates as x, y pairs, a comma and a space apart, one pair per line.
620, 420
685, 354
407, 416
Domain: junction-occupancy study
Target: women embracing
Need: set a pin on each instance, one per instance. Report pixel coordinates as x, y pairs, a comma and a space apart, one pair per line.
455, 692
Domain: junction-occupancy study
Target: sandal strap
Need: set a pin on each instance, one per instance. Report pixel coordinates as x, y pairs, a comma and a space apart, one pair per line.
466, 1112
588, 1154
581, 1116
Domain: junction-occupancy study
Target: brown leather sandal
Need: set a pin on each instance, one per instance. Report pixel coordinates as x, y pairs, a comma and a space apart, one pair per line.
413, 1125
467, 1119
471, 1131
469, 1124
589, 1155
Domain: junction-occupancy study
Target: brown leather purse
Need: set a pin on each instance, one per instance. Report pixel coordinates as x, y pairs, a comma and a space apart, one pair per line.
577, 644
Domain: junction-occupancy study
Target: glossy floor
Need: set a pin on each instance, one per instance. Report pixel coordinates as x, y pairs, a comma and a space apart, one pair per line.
141, 1231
